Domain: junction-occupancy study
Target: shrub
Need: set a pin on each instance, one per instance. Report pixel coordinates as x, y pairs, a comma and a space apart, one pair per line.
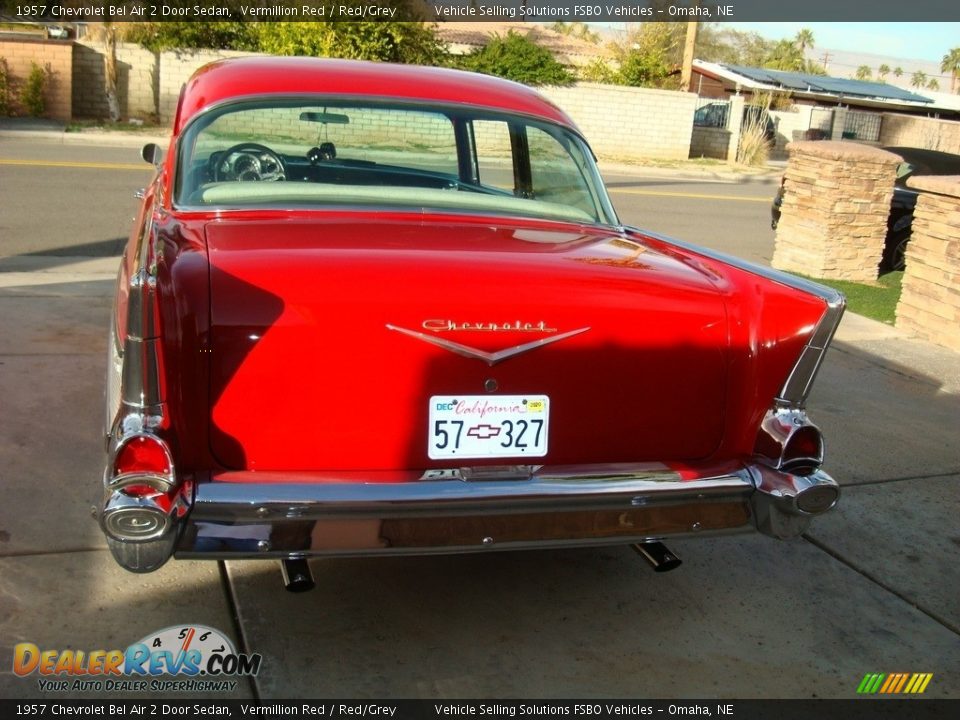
754, 148
32, 94
599, 71
397, 42
516, 58
192, 35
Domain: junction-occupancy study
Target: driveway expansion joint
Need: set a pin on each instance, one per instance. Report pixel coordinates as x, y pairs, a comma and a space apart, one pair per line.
839, 557
45, 553
885, 481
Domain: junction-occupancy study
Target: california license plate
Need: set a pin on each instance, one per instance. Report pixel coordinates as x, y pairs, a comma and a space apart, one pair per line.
488, 426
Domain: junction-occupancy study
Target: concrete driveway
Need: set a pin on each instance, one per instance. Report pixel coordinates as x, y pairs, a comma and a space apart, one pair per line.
874, 587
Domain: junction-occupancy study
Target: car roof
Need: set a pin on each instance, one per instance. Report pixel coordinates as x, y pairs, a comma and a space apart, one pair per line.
257, 75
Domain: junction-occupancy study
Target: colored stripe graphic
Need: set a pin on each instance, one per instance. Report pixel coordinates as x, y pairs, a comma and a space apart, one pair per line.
894, 683
891, 679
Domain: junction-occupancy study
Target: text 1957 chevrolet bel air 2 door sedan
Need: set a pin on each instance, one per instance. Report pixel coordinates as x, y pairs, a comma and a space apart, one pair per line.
375, 309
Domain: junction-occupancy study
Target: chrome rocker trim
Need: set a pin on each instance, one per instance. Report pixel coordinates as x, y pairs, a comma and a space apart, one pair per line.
548, 507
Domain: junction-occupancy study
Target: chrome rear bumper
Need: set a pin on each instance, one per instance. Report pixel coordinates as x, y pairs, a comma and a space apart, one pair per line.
485, 509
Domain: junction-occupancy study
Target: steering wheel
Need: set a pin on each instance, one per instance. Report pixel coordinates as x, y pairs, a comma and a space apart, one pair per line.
248, 162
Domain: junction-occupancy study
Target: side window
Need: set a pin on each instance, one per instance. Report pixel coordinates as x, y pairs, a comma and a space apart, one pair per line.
555, 174
494, 154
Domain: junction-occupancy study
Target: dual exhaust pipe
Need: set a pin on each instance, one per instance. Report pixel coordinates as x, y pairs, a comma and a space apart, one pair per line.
660, 558
297, 577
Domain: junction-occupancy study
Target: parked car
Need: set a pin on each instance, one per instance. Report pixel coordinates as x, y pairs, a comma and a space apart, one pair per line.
57, 32
380, 309
916, 162
715, 115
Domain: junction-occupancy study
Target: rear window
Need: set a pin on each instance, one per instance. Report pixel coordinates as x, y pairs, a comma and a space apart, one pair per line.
327, 153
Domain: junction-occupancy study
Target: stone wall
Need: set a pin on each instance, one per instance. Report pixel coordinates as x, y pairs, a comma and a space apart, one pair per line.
627, 123
835, 208
929, 305
920, 132
55, 56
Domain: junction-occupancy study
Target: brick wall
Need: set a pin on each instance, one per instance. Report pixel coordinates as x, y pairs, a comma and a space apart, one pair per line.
53, 55
176, 67
621, 123
708, 142
792, 125
137, 79
626, 123
920, 132
929, 304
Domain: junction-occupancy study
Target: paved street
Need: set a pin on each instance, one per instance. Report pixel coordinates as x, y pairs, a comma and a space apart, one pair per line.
875, 587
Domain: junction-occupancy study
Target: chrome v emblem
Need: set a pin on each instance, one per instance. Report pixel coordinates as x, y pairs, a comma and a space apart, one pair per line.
488, 358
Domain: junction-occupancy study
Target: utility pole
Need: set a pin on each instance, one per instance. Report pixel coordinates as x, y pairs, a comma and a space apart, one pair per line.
825, 59
689, 47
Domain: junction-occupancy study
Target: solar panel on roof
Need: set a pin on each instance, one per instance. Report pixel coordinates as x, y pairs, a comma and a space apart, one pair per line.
823, 83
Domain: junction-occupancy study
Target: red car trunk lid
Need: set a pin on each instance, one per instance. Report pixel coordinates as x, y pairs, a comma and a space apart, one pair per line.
307, 375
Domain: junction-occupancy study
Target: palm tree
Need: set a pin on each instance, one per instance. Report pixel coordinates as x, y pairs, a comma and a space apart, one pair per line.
897, 71
882, 72
918, 79
784, 55
804, 39
933, 85
863, 72
576, 29
951, 64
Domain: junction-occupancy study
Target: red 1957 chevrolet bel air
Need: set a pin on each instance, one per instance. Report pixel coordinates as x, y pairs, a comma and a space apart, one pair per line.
375, 309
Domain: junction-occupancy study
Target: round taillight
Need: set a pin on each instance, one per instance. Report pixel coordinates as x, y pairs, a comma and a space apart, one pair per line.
144, 455
803, 451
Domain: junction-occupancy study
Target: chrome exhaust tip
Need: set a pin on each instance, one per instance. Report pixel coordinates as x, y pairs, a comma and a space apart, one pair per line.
660, 558
297, 577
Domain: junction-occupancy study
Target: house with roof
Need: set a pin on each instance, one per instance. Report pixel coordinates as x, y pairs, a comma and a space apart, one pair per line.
720, 80
818, 106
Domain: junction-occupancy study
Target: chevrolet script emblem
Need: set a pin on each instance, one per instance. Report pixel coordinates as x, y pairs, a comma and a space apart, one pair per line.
487, 357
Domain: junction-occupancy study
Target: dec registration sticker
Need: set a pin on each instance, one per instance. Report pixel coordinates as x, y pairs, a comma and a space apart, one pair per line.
488, 426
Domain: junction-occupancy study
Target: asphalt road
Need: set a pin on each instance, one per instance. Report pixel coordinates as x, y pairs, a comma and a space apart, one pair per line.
874, 587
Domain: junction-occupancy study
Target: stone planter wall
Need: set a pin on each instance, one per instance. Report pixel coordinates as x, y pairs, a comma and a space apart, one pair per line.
835, 208
929, 305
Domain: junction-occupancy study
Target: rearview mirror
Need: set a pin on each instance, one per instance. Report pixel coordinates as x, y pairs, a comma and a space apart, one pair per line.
325, 118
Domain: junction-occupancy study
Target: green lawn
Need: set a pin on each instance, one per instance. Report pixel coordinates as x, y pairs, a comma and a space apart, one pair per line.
873, 301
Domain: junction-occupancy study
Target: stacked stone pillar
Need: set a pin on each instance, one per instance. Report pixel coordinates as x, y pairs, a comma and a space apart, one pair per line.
929, 305
835, 208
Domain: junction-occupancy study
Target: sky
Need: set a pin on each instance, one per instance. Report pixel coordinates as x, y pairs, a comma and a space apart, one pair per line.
920, 41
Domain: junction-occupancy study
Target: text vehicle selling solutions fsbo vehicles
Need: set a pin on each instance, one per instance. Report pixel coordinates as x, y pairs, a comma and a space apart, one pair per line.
376, 309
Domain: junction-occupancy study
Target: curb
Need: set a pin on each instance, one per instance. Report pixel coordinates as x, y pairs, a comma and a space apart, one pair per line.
768, 176
108, 139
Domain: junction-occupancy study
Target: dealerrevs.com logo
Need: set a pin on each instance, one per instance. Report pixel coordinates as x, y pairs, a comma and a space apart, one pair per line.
202, 655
